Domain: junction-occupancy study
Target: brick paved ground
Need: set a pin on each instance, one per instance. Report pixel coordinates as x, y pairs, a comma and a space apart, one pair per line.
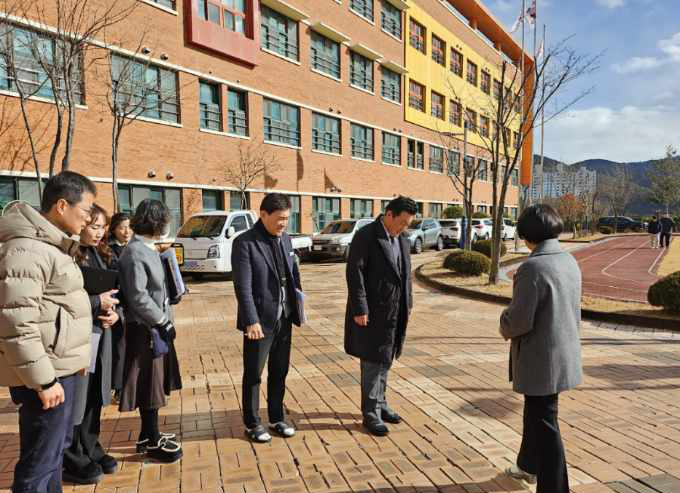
462, 423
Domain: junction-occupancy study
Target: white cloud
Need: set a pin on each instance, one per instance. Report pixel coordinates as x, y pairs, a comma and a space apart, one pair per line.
637, 64
626, 134
611, 4
671, 47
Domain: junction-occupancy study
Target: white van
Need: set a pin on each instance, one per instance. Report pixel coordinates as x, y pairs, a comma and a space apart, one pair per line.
203, 244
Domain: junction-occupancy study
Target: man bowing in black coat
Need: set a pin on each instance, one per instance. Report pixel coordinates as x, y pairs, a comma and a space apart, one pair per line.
267, 285
378, 306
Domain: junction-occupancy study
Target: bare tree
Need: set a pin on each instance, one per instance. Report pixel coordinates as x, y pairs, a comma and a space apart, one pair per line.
510, 111
253, 161
49, 61
618, 190
664, 176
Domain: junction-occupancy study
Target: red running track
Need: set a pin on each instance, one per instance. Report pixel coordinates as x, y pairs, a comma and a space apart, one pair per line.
621, 268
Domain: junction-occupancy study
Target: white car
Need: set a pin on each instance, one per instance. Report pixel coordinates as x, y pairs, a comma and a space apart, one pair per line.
509, 229
453, 228
203, 244
482, 229
335, 238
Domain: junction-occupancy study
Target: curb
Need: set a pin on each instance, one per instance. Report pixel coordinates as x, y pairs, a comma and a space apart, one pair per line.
597, 316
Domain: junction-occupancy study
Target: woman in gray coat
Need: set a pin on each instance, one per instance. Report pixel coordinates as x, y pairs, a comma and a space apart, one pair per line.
151, 369
545, 358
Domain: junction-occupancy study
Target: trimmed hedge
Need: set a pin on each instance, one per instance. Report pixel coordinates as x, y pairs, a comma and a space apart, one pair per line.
484, 246
666, 293
468, 263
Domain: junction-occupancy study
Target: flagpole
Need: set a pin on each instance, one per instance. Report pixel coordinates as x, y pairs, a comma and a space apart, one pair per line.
520, 192
542, 113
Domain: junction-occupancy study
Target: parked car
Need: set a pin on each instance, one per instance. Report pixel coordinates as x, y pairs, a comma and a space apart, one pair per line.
425, 233
623, 223
203, 244
451, 231
509, 229
483, 229
334, 240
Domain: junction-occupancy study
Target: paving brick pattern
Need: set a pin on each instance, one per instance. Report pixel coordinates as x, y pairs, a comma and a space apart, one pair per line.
462, 422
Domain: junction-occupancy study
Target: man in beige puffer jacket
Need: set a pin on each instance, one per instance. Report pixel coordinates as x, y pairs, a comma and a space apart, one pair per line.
45, 324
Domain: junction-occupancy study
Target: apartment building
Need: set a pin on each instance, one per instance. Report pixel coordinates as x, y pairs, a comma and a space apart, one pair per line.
323, 87
561, 181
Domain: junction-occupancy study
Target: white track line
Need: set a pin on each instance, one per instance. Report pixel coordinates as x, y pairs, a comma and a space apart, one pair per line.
604, 271
656, 261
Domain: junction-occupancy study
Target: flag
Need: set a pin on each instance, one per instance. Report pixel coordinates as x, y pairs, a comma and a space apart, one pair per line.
531, 13
517, 23
541, 50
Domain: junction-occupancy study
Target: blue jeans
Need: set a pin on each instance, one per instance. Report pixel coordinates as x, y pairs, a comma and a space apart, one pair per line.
43, 436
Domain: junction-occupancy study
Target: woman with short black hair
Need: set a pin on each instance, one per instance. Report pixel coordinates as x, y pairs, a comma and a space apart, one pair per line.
543, 322
151, 369
120, 233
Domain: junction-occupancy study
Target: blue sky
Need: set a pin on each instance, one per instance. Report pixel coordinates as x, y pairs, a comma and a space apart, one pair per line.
633, 112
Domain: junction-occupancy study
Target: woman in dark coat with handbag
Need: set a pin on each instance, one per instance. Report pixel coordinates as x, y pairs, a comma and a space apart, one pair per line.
85, 460
543, 323
151, 368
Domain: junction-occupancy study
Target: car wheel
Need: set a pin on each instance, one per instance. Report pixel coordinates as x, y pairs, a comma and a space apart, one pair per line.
440, 244
418, 247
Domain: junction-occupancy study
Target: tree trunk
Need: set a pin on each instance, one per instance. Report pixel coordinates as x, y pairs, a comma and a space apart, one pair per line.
57, 140
497, 230
70, 131
115, 140
34, 154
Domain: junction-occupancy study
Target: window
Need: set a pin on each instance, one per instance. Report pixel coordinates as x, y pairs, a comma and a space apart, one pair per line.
454, 163
166, 3
238, 202
485, 84
325, 133
281, 123
31, 52
147, 90
455, 113
239, 223
238, 112
25, 189
279, 33
515, 139
212, 200
362, 7
294, 225
436, 159
420, 209
517, 104
438, 50
435, 210
359, 208
457, 62
514, 213
390, 19
211, 111
324, 210
391, 148
437, 104
471, 120
391, 85
515, 180
383, 206
230, 14
131, 195
472, 73
325, 55
417, 36
484, 126
416, 96
469, 165
362, 141
497, 90
361, 71
416, 154
482, 170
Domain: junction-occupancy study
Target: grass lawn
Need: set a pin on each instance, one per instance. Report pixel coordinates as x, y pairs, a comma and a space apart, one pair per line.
671, 262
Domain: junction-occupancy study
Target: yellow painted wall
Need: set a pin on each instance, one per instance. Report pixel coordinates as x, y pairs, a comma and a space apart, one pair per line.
424, 70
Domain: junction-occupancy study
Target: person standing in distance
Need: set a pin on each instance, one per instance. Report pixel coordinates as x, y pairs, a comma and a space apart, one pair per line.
378, 306
666, 225
45, 324
267, 283
653, 228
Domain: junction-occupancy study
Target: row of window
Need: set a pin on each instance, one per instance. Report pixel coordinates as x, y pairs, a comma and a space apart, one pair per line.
418, 40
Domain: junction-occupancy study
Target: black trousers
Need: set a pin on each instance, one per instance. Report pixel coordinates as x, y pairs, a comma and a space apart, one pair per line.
274, 347
43, 436
665, 239
85, 447
542, 451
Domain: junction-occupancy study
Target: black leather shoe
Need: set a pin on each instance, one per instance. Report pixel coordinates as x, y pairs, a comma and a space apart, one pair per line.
90, 474
377, 429
392, 417
108, 464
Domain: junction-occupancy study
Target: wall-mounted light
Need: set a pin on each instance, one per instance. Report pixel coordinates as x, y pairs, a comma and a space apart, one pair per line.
151, 173
164, 56
145, 50
335, 190
169, 175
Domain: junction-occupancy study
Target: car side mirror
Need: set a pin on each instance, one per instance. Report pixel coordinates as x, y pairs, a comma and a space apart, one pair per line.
231, 232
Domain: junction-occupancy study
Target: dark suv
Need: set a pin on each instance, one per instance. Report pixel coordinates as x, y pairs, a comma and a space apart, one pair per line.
623, 223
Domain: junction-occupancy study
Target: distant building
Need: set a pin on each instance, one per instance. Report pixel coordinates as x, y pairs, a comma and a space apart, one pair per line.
561, 181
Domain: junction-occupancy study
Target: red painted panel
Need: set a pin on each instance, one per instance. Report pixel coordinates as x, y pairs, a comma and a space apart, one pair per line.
218, 39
